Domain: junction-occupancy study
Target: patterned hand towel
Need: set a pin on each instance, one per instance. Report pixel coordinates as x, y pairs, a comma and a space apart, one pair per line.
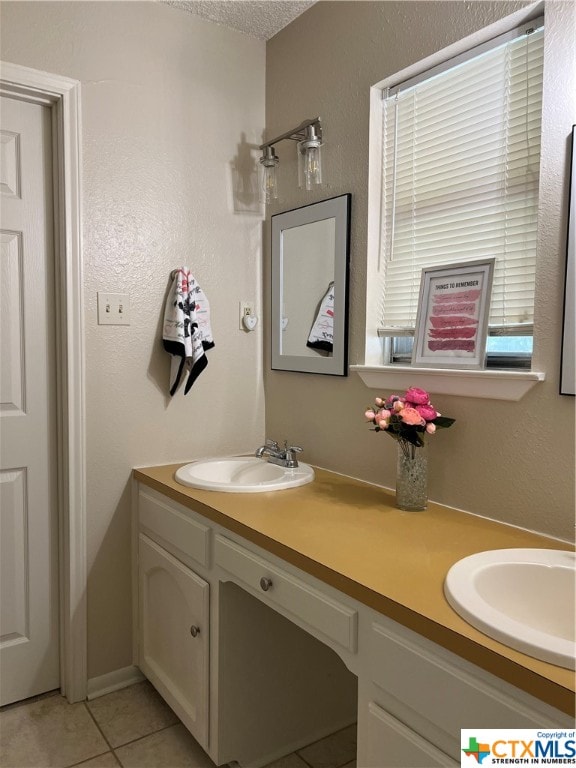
322, 332
187, 333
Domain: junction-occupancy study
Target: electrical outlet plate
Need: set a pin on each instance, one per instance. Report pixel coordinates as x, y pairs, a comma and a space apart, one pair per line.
247, 308
113, 308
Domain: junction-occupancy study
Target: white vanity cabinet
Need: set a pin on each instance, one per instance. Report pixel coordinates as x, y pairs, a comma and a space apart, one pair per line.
174, 634
220, 637
259, 658
174, 608
416, 697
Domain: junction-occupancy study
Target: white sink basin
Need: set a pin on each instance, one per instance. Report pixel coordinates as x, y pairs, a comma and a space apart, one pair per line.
242, 474
525, 598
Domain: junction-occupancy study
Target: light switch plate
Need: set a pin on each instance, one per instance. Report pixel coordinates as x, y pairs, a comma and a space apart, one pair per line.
113, 308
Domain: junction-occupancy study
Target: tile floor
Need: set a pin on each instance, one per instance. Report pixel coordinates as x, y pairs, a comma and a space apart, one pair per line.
133, 728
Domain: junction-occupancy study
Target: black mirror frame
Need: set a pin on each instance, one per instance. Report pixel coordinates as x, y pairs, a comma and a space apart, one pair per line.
338, 208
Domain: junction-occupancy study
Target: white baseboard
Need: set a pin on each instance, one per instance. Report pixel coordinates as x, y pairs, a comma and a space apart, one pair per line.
113, 681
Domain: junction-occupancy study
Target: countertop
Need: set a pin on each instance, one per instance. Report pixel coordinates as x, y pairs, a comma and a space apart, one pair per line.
349, 534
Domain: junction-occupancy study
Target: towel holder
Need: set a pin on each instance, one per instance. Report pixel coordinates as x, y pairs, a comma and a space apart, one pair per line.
174, 273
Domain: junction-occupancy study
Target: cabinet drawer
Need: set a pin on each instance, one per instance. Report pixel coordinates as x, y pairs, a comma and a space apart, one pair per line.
290, 595
174, 527
444, 694
387, 743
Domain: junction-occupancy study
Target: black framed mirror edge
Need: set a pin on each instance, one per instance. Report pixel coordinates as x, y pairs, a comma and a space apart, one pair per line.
345, 195
338, 207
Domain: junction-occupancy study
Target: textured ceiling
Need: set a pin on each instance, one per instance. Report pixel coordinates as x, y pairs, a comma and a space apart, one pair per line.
261, 19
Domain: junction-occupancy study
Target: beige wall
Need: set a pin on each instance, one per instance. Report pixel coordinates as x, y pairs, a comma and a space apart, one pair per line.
509, 461
166, 98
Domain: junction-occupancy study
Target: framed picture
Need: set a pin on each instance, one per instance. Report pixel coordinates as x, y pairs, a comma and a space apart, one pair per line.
452, 319
568, 368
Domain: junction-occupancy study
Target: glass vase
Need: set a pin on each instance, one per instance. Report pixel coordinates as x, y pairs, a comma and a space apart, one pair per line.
411, 477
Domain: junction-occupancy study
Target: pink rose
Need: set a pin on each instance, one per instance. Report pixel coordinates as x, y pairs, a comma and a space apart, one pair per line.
384, 414
411, 416
417, 396
393, 399
370, 415
383, 424
428, 412
398, 406
430, 428
379, 402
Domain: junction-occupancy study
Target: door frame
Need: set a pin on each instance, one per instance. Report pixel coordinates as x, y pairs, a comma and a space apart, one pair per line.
62, 96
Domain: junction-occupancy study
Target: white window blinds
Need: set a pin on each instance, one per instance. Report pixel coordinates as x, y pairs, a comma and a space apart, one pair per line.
461, 155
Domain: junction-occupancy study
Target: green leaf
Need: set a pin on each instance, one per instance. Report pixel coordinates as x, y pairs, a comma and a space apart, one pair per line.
413, 437
443, 422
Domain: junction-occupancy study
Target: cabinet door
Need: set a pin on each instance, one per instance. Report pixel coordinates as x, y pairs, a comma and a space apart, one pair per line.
173, 635
384, 742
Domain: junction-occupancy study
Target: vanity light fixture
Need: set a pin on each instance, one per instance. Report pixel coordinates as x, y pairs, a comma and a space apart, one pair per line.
308, 136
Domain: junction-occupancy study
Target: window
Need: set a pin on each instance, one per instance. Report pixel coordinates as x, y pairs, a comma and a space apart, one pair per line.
460, 154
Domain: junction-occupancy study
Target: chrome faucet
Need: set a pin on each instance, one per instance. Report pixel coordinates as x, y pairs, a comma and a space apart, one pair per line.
284, 457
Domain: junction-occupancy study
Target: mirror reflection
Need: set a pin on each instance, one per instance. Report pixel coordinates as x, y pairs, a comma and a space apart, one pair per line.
310, 252
308, 305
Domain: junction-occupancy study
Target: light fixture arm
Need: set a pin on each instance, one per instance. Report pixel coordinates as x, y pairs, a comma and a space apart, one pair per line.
298, 134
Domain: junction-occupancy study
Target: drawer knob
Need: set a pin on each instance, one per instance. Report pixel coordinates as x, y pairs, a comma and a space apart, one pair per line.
194, 631
265, 583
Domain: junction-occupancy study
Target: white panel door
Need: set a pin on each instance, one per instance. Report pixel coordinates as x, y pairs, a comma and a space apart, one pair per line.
29, 642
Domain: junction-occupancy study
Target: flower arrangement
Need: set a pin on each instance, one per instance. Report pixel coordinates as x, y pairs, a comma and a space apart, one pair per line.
407, 418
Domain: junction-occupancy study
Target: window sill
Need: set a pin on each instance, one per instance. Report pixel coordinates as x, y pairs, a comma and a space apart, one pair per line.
493, 385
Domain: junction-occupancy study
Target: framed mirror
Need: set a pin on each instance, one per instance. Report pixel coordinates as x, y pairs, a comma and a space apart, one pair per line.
310, 258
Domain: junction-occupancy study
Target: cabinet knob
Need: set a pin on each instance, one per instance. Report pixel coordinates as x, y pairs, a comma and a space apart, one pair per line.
194, 631
265, 583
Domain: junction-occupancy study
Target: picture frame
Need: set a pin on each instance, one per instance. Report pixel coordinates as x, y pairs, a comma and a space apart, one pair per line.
567, 364
452, 318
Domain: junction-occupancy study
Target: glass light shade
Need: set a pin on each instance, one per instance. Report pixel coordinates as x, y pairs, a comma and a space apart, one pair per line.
269, 184
309, 164
268, 176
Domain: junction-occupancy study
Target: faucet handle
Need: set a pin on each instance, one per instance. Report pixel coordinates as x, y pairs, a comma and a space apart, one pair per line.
292, 447
271, 444
289, 457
